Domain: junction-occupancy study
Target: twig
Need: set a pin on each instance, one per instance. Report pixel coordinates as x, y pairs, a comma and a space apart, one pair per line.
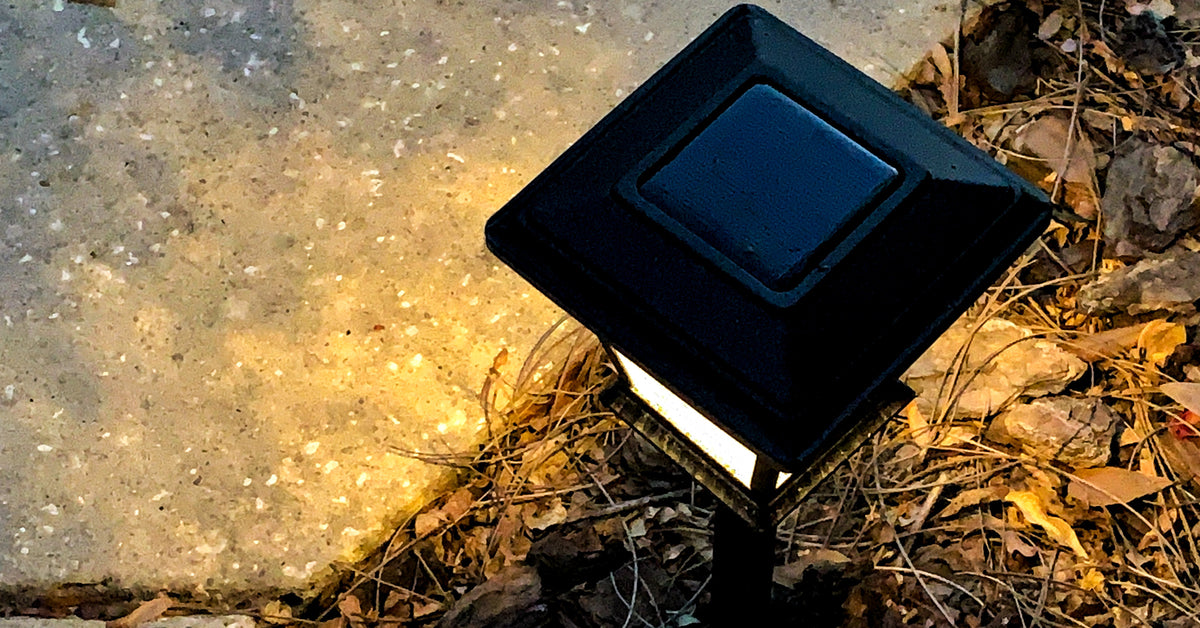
1011, 589
932, 576
956, 93
908, 561
1041, 604
625, 506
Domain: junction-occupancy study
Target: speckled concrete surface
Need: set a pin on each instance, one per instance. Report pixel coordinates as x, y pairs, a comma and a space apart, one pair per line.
241, 256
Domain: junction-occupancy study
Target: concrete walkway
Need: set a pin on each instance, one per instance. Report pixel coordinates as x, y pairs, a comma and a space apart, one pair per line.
241, 257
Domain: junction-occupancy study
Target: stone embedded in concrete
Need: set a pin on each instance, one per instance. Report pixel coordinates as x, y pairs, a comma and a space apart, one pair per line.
242, 263
1004, 362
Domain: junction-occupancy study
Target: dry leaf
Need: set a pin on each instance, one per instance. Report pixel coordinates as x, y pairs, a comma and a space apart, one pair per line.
1013, 541
1057, 529
1106, 344
918, 425
427, 522
1050, 25
947, 87
1186, 394
146, 612
1159, 338
500, 360
972, 497
1092, 580
790, 574
1046, 138
276, 612
423, 608
351, 609
336, 622
459, 504
554, 515
1105, 486
1131, 435
1184, 455
941, 59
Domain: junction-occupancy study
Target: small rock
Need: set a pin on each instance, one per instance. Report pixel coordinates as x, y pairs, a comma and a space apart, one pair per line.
1187, 10
1022, 365
1077, 432
1147, 46
510, 599
1002, 61
570, 554
1149, 199
1167, 282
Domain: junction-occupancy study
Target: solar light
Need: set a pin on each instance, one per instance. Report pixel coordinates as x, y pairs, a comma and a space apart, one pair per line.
764, 238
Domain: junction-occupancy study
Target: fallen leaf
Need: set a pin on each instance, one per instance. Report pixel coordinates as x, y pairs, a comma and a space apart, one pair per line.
397, 607
511, 595
554, 515
1050, 25
424, 609
276, 612
1057, 529
1185, 426
1106, 486
500, 360
1183, 455
336, 622
351, 610
146, 612
790, 574
918, 425
1186, 394
941, 59
1160, 8
947, 87
972, 497
1013, 540
1159, 338
427, 522
1017, 543
1093, 580
1046, 138
1106, 344
459, 504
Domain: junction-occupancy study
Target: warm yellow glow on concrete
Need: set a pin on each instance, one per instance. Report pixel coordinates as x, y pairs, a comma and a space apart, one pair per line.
239, 270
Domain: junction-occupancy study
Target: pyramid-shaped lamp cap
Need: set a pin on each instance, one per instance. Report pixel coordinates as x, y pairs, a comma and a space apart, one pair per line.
768, 233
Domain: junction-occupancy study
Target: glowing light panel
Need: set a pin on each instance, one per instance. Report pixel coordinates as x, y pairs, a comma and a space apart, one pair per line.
724, 449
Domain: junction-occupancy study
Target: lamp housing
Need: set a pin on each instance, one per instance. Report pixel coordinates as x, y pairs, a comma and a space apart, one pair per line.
768, 234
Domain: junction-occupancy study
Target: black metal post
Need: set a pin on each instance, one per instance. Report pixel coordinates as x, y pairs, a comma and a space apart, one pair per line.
743, 559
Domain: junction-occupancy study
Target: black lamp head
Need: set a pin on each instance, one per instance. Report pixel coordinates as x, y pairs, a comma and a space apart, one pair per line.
768, 232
